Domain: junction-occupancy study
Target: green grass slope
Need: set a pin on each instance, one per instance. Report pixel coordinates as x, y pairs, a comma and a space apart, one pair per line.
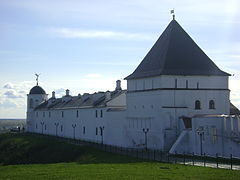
89, 163
30, 148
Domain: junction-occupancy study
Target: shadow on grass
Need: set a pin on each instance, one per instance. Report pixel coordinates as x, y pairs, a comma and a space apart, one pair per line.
24, 148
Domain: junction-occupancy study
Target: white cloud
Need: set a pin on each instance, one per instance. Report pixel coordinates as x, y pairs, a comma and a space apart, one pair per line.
22, 92
13, 94
7, 104
13, 98
8, 86
80, 33
59, 92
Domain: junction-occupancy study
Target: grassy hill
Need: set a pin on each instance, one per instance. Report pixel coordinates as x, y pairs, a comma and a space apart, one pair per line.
47, 158
29, 148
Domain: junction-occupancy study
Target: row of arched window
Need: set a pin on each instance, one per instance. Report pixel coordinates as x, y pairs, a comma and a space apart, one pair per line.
61, 128
211, 104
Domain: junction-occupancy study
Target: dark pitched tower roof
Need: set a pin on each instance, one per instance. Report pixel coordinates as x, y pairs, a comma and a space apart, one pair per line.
37, 90
175, 53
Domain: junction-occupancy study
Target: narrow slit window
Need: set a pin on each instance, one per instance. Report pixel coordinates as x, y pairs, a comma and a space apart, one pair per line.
211, 104
96, 113
175, 83
197, 104
214, 135
31, 103
84, 130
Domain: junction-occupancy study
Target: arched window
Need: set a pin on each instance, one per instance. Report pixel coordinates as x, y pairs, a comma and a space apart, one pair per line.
197, 104
211, 104
31, 103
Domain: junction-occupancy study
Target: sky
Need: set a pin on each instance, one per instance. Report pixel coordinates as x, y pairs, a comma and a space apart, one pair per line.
85, 46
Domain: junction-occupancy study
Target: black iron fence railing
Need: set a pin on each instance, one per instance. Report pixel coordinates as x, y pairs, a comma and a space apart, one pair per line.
157, 155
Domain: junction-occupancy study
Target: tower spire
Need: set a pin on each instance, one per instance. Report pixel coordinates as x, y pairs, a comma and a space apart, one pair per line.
173, 14
37, 75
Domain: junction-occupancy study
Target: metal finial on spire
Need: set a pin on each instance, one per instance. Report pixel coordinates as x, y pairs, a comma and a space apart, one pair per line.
37, 75
173, 14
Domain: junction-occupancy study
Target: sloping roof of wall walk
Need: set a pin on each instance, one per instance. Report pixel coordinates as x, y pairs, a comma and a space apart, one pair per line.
85, 101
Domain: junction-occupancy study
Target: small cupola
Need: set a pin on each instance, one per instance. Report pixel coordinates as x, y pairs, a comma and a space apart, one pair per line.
67, 97
36, 96
37, 89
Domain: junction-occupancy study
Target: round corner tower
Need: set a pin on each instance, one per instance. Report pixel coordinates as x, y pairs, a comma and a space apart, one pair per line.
36, 96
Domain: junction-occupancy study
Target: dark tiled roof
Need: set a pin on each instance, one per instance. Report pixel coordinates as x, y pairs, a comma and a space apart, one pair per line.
87, 100
37, 90
175, 53
234, 110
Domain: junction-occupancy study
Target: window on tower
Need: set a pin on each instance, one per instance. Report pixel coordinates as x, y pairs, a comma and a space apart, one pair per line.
31, 103
211, 104
197, 104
